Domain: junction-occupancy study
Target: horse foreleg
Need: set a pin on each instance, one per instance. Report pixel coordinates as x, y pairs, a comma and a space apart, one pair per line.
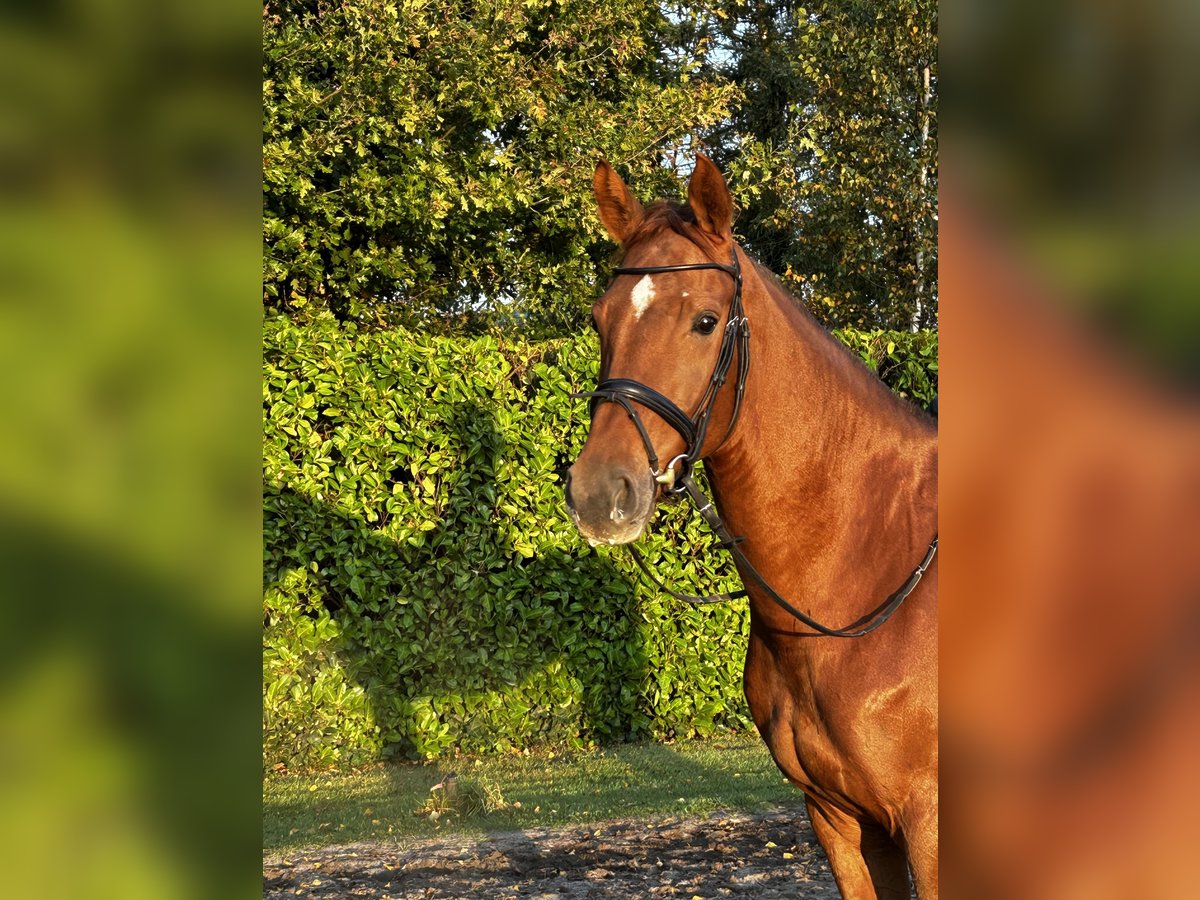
922, 840
866, 863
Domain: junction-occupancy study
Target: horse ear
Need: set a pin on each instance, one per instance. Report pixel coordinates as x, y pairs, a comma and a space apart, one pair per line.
709, 198
620, 211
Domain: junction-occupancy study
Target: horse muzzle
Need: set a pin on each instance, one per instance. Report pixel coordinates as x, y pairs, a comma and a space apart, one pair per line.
609, 505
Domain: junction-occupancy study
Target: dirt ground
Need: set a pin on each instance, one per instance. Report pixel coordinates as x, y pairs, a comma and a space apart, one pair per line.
773, 855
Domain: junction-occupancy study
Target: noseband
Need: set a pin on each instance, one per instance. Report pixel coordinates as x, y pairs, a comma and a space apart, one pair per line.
626, 392
694, 428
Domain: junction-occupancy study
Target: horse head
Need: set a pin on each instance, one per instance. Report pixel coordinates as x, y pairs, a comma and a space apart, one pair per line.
670, 326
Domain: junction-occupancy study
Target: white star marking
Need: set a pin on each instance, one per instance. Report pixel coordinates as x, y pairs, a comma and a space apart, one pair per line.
643, 293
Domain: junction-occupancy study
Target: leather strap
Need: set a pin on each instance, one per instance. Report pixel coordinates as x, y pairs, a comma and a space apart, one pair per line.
693, 429
864, 625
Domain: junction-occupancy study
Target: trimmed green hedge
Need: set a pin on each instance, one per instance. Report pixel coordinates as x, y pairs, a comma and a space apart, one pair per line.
424, 590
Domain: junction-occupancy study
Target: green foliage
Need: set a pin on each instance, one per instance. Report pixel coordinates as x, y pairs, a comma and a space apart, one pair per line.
905, 361
424, 590
430, 163
831, 150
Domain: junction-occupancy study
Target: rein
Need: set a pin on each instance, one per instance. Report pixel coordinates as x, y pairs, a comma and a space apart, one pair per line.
625, 392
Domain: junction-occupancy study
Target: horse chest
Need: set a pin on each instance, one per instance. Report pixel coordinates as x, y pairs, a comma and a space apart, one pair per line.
807, 728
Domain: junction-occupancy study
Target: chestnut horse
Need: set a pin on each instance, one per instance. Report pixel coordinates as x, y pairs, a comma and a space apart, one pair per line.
829, 479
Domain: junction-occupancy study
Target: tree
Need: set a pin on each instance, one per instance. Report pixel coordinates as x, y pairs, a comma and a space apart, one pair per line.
428, 163
832, 152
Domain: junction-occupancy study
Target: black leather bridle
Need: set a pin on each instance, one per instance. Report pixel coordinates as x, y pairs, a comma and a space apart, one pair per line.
694, 428
735, 341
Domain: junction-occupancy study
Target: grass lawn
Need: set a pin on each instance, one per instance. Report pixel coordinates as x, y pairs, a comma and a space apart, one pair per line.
502, 793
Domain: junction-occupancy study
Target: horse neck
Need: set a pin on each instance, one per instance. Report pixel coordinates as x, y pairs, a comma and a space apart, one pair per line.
826, 470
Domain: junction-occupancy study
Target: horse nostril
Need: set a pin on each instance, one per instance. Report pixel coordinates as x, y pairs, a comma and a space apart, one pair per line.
621, 498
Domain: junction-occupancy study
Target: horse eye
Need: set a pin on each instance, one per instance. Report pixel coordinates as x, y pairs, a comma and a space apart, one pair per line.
706, 323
